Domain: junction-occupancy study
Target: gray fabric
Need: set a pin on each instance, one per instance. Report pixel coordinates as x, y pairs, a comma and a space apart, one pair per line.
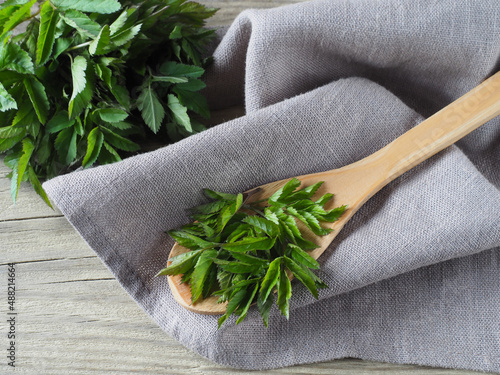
415, 276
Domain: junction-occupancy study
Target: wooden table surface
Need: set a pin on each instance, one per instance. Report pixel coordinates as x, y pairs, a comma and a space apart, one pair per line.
74, 318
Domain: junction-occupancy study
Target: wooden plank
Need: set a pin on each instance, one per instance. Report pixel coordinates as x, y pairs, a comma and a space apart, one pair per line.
28, 203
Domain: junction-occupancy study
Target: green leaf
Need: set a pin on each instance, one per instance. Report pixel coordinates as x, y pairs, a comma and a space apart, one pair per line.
264, 308
8, 78
334, 214
38, 186
324, 199
12, 57
18, 16
65, 145
169, 79
284, 293
118, 23
125, 36
200, 273
171, 68
111, 114
62, 44
46, 36
191, 85
190, 241
233, 303
304, 278
250, 244
28, 148
237, 267
25, 116
179, 112
112, 152
38, 97
218, 195
97, 6
95, 140
10, 131
81, 22
152, 110
250, 259
176, 32
193, 101
59, 122
7, 102
99, 45
267, 226
301, 256
284, 191
119, 141
249, 299
78, 69
8, 143
180, 263
121, 94
270, 279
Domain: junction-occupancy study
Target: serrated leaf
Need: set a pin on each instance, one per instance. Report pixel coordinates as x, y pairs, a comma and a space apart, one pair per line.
61, 45
169, 79
7, 102
249, 299
28, 148
99, 45
25, 115
270, 279
12, 57
118, 23
112, 153
38, 186
304, 278
301, 256
180, 263
97, 6
8, 143
152, 110
65, 145
38, 97
284, 293
232, 305
171, 68
81, 22
284, 191
193, 101
250, 244
201, 272
46, 36
191, 85
111, 114
176, 32
79, 80
18, 16
267, 226
118, 141
250, 259
190, 241
237, 267
264, 308
334, 214
95, 140
125, 36
59, 122
219, 195
179, 112
8, 78
121, 94
10, 131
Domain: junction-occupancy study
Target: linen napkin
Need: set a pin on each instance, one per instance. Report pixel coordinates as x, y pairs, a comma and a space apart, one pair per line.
414, 277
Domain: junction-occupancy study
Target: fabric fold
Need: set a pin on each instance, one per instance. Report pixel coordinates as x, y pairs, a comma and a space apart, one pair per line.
413, 277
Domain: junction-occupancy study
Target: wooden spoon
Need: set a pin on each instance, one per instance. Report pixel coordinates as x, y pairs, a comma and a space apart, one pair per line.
355, 183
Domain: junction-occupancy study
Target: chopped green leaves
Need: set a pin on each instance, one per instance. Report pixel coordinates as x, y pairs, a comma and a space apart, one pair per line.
247, 258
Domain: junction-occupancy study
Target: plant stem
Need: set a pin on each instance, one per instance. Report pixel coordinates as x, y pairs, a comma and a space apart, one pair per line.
79, 46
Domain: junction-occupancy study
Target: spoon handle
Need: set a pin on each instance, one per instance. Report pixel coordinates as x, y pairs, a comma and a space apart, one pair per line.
437, 132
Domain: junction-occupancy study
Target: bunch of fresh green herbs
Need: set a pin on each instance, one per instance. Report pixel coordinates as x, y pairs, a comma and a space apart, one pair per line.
242, 251
88, 79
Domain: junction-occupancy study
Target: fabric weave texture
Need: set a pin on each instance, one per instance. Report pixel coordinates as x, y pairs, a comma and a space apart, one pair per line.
414, 277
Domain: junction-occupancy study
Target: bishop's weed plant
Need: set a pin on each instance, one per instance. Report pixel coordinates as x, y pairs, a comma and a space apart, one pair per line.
87, 81
243, 252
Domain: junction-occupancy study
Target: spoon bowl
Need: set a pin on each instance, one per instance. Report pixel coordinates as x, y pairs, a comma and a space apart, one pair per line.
355, 183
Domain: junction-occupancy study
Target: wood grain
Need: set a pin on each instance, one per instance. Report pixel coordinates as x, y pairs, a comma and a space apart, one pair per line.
75, 319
